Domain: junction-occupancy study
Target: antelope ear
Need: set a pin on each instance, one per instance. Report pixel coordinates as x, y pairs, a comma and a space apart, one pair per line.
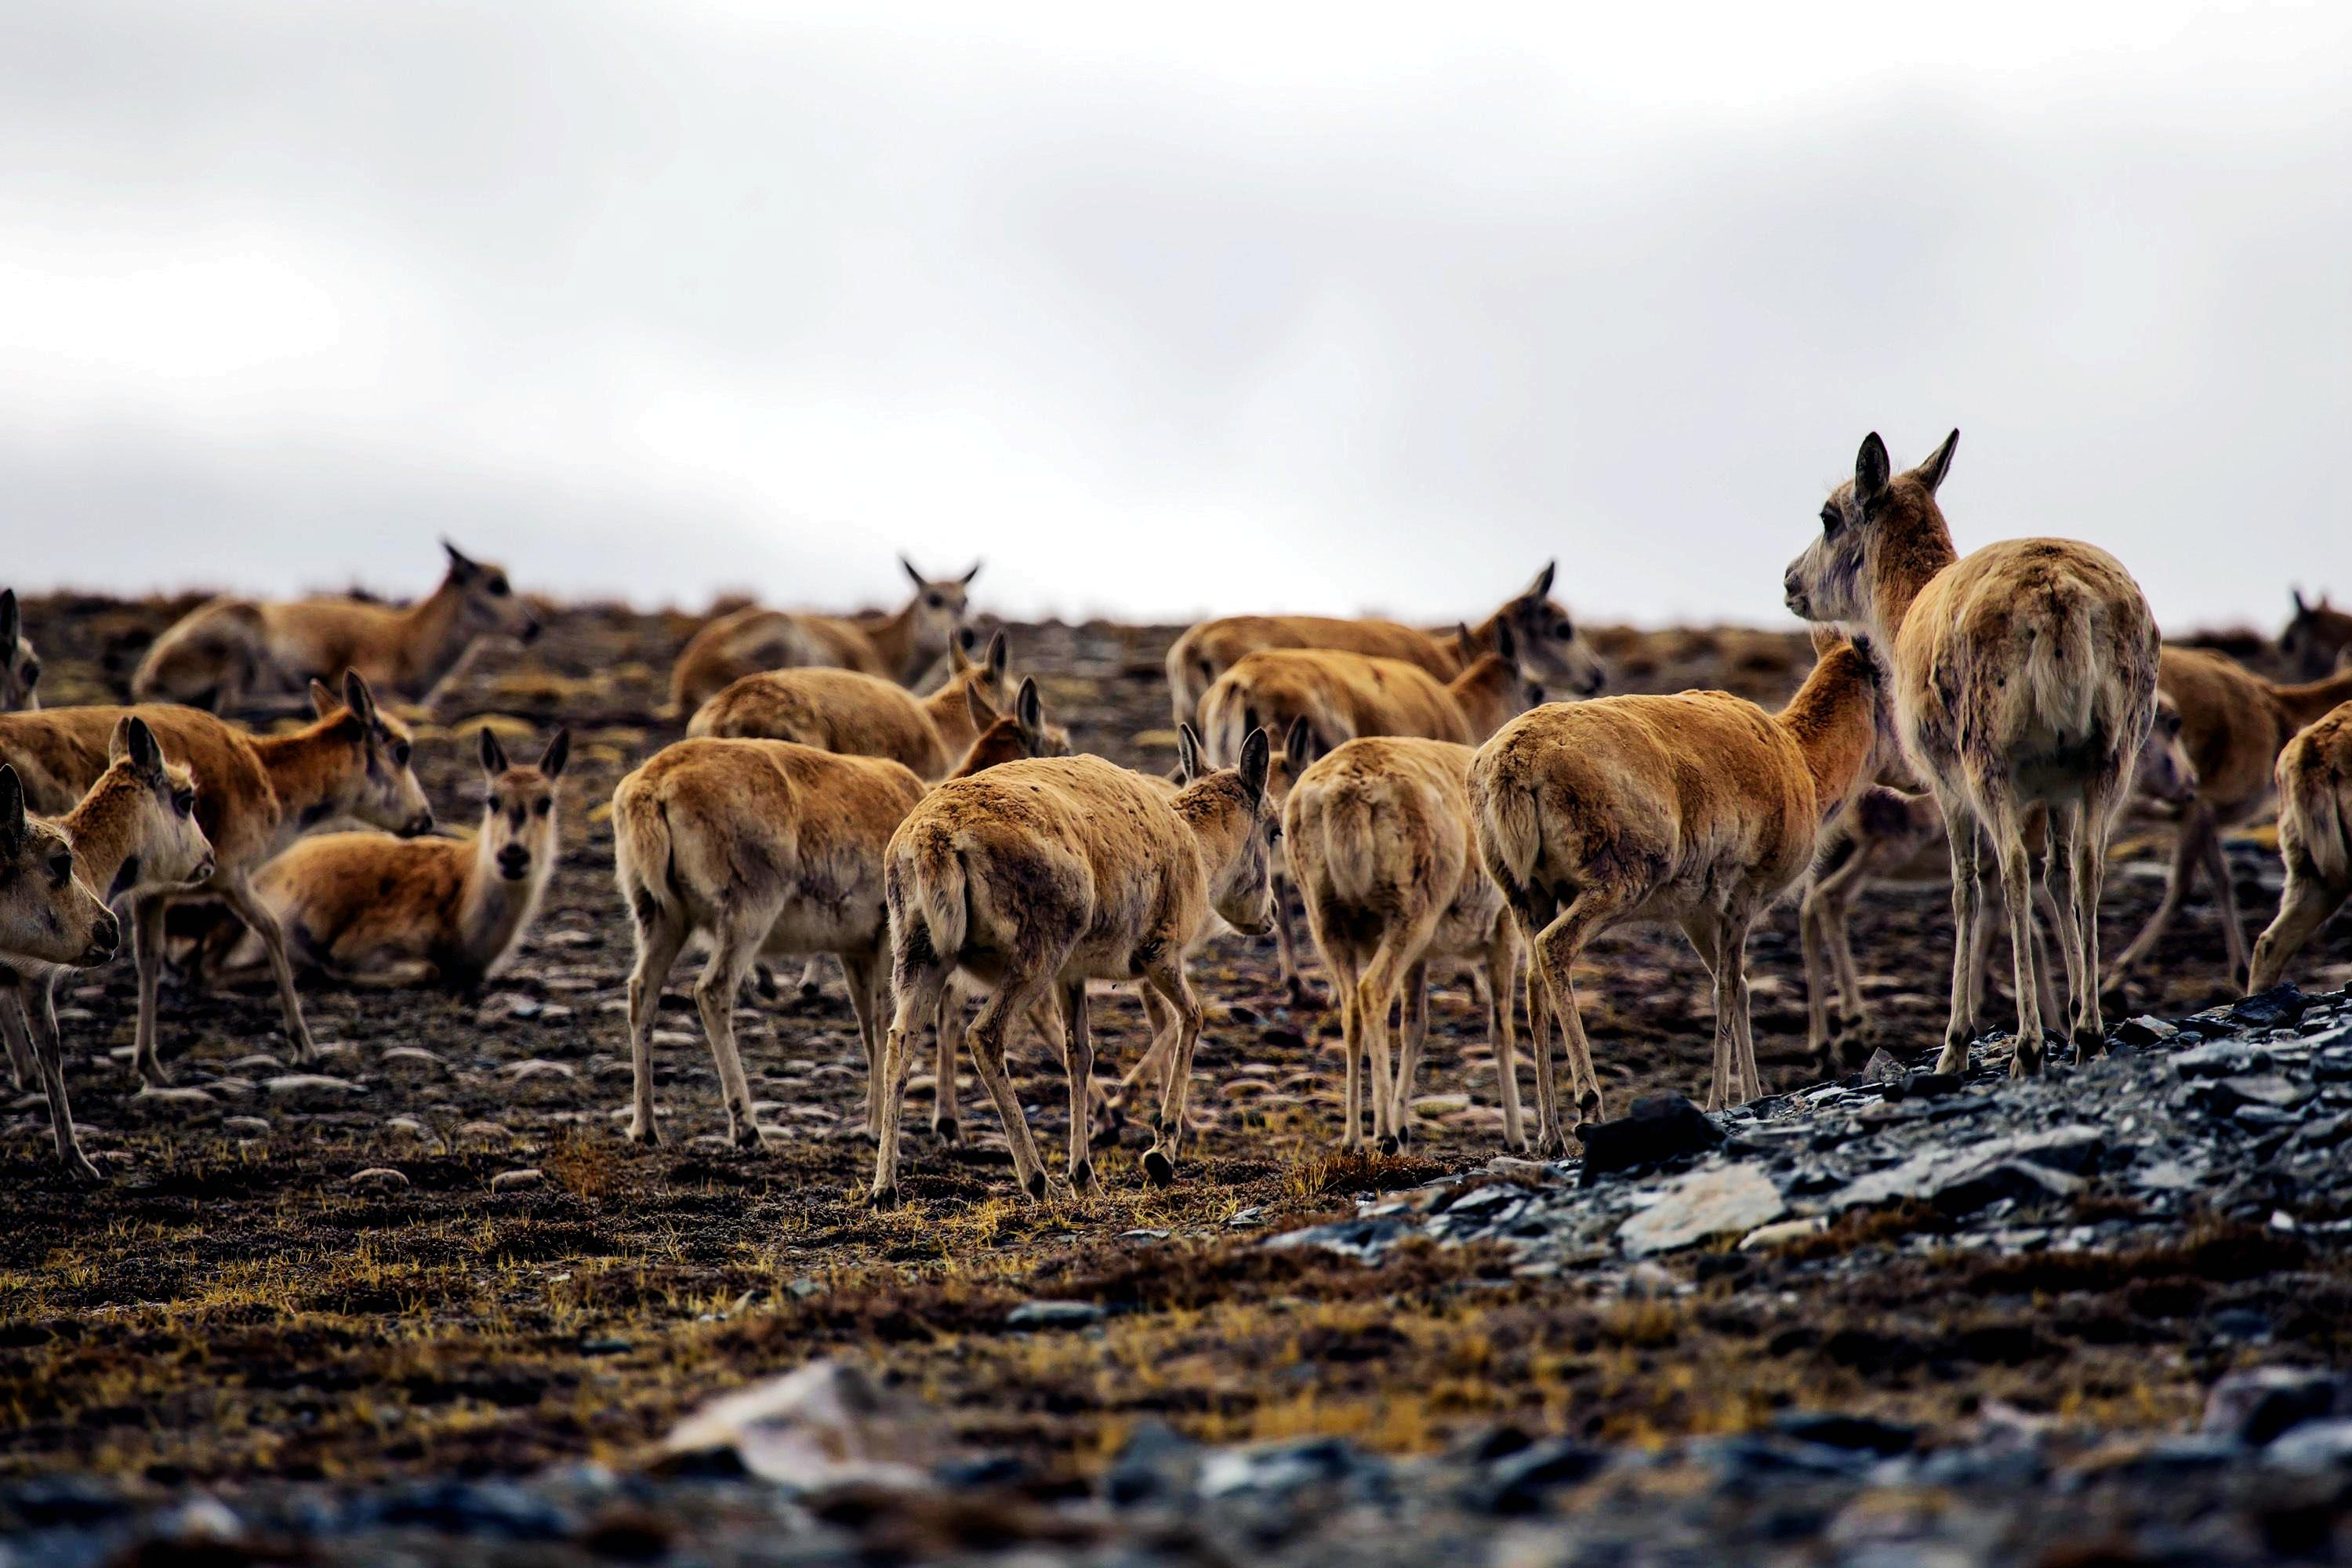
1506, 646
1541, 587
145, 754
1871, 468
960, 650
322, 702
1188, 755
967, 577
494, 756
12, 811
358, 697
11, 622
1028, 709
461, 563
558, 752
1256, 755
118, 744
1298, 748
983, 713
2300, 607
912, 576
1937, 463
1000, 655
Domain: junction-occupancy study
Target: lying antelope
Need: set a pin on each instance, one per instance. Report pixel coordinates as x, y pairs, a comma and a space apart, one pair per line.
1882, 832
861, 715
371, 909
2025, 675
768, 847
1548, 642
899, 647
2314, 787
1699, 808
1036, 877
135, 834
227, 650
2316, 637
20, 667
1379, 840
258, 792
2234, 724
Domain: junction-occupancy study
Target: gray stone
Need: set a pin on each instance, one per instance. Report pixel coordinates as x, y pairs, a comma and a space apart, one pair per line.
1053, 1315
1722, 1201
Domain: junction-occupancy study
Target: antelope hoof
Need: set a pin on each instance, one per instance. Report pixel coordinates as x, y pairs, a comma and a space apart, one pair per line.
79, 1171
1302, 995
2089, 1046
811, 989
1955, 1057
644, 1132
746, 1135
1035, 1185
948, 1131
2026, 1063
1082, 1178
1158, 1168
1388, 1145
1588, 1105
763, 981
151, 1074
882, 1198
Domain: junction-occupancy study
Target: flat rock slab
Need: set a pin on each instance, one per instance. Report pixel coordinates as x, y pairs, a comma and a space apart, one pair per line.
1727, 1200
2064, 1150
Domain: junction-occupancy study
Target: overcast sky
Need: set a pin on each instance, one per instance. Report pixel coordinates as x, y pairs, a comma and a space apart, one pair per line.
1245, 309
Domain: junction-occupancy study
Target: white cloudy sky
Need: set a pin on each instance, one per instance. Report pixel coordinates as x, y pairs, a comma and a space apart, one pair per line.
1244, 308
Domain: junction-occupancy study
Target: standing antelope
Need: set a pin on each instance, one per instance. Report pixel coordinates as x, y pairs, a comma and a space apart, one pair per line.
1549, 644
372, 909
898, 647
48, 916
2316, 637
259, 793
768, 847
861, 715
227, 649
2315, 786
1036, 877
20, 667
1379, 834
2025, 675
1699, 808
135, 834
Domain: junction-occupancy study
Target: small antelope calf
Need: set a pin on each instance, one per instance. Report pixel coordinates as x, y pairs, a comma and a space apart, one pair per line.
2316, 637
898, 647
20, 667
135, 833
861, 715
2025, 675
1036, 877
1700, 809
2314, 787
369, 909
1380, 838
1548, 642
227, 650
256, 793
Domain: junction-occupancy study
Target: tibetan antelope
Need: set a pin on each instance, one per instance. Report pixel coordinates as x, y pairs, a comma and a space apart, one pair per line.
1699, 808
226, 650
2024, 675
135, 834
2314, 787
861, 715
769, 848
20, 667
1379, 842
899, 647
2316, 637
1036, 877
2234, 724
1549, 641
256, 793
371, 909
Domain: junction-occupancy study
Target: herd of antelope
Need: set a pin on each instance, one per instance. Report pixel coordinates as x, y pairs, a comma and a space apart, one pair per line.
1463, 800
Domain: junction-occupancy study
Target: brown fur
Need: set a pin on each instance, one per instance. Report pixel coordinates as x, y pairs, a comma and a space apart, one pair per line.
134, 833
1549, 643
1379, 842
2315, 639
1343, 695
227, 649
254, 794
20, 667
858, 714
2024, 676
1700, 809
899, 647
2314, 787
1038, 877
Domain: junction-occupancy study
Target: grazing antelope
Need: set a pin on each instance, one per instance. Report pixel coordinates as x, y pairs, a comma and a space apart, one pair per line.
2234, 724
2024, 675
1881, 832
1548, 642
20, 667
374, 910
1380, 841
2315, 639
861, 715
257, 794
769, 848
2315, 786
135, 834
1700, 809
899, 647
1036, 877
227, 649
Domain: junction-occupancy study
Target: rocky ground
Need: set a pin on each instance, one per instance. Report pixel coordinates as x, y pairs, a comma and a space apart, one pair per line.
424, 1305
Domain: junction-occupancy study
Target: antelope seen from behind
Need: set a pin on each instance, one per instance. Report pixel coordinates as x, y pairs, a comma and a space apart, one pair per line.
135, 834
898, 647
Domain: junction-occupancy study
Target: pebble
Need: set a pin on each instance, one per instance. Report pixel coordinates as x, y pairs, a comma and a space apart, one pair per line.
377, 1176
516, 1181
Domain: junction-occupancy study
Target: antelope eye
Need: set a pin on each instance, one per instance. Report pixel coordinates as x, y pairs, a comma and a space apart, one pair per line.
541, 808
934, 601
399, 752
1563, 631
183, 801
1274, 832
60, 867
500, 588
